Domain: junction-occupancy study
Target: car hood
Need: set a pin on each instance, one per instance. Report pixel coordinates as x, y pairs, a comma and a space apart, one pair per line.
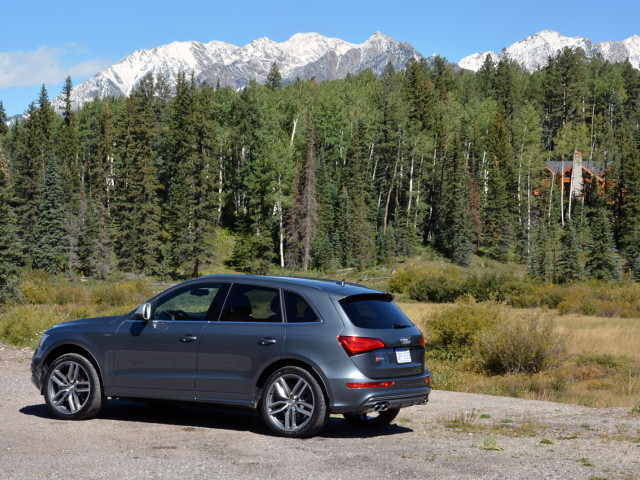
88, 321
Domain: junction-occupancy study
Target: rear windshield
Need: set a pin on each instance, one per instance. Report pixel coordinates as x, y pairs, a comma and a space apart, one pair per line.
374, 312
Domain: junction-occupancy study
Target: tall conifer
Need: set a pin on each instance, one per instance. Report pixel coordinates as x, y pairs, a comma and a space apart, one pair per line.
10, 257
49, 252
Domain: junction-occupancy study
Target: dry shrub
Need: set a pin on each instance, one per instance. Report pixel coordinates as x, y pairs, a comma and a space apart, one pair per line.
520, 346
454, 329
538, 386
66, 294
24, 324
604, 299
36, 287
436, 284
588, 372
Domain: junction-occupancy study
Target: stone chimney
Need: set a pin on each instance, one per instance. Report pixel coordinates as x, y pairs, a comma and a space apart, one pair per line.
576, 176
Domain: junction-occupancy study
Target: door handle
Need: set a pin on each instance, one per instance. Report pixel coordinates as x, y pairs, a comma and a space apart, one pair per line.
188, 338
267, 341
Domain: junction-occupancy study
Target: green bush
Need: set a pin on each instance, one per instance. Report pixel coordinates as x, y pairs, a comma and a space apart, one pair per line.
436, 284
518, 345
601, 360
400, 280
604, 299
65, 294
491, 285
24, 324
36, 286
454, 329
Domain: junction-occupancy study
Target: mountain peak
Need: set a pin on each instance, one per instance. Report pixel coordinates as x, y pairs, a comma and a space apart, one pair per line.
534, 51
379, 37
303, 55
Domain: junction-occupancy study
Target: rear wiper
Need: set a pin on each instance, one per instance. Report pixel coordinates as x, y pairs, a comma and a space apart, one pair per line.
400, 325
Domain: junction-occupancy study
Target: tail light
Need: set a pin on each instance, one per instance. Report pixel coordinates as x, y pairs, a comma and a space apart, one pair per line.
356, 345
421, 341
369, 385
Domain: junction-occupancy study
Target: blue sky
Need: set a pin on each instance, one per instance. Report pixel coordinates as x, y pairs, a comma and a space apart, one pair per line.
44, 41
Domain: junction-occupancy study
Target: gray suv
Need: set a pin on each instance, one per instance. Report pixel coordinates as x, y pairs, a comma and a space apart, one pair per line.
296, 349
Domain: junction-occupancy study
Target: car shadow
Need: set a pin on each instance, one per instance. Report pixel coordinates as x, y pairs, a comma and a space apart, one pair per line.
206, 416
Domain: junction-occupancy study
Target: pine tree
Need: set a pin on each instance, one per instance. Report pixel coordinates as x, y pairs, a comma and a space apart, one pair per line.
182, 150
357, 232
136, 206
67, 150
497, 232
3, 121
32, 150
274, 78
456, 234
87, 237
570, 263
635, 272
49, 252
302, 224
602, 260
627, 195
486, 76
10, 257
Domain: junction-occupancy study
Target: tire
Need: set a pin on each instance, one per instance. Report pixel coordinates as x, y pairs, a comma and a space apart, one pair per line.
72, 388
293, 403
373, 419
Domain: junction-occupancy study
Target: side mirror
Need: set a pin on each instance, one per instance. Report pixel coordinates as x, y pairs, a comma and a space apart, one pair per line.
143, 312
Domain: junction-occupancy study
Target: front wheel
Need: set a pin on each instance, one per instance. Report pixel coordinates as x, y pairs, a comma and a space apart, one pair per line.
293, 403
72, 388
373, 419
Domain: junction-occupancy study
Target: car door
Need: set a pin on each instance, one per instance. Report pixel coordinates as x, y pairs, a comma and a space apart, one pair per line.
158, 358
234, 350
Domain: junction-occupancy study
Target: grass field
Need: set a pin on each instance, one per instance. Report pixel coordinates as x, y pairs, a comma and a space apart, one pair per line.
602, 370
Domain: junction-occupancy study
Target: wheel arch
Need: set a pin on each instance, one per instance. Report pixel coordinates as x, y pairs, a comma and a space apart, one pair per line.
291, 362
64, 349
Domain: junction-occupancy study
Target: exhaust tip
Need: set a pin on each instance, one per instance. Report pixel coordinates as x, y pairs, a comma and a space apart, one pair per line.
381, 407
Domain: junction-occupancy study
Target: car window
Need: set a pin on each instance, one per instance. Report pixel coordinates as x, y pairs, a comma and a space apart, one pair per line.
298, 310
191, 303
248, 303
374, 311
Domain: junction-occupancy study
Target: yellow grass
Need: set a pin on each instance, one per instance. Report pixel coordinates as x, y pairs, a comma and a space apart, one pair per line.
613, 336
586, 334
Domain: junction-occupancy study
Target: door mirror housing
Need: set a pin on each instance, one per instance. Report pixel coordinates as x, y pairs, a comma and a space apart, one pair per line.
143, 312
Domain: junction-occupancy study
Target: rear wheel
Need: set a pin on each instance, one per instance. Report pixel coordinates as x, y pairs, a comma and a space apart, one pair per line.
72, 388
373, 419
293, 403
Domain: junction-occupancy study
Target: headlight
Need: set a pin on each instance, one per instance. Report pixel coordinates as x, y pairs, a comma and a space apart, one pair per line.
44, 337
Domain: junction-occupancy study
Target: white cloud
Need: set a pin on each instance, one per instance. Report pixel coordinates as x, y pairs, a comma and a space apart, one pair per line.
45, 65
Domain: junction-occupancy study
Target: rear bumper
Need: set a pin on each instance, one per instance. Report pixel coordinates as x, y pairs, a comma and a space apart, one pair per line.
385, 402
404, 392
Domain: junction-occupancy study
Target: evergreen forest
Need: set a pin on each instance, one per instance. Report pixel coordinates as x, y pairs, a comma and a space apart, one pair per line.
357, 172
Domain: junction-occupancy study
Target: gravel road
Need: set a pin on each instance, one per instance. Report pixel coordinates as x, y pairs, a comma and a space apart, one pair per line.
457, 435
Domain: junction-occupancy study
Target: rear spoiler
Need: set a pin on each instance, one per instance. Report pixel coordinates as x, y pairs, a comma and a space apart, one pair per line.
361, 297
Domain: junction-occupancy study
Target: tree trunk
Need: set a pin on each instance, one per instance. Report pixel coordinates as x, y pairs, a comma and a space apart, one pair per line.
393, 181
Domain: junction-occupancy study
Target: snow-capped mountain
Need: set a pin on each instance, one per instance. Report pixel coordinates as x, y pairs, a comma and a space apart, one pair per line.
304, 55
534, 51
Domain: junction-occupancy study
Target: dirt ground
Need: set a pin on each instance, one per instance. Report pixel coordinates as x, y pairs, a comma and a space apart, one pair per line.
456, 435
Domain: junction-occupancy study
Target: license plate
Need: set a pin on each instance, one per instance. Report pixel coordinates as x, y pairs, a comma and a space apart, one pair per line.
403, 355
